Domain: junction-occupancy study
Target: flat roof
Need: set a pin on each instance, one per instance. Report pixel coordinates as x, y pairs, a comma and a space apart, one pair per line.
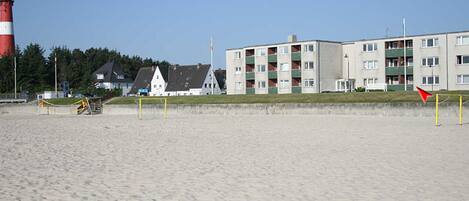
353, 41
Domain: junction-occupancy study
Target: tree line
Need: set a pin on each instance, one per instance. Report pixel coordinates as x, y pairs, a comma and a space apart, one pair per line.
36, 70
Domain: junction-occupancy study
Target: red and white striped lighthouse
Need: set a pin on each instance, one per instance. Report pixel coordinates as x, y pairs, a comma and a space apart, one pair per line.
7, 39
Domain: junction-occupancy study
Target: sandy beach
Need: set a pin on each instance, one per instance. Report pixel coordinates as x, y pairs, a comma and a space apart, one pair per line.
212, 157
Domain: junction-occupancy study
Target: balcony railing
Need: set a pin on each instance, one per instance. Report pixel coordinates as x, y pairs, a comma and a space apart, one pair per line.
272, 75
296, 56
250, 76
296, 73
250, 91
399, 70
272, 58
296, 90
250, 60
394, 53
400, 87
273, 90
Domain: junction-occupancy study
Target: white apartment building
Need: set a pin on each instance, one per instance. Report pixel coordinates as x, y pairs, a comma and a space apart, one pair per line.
432, 62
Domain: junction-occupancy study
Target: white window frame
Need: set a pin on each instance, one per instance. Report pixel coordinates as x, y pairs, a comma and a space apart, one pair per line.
436, 42
460, 79
100, 76
462, 59
367, 66
261, 85
261, 68
307, 46
434, 60
238, 70
425, 80
284, 50
237, 55
309, 65
284, 84
367, 81
284, 69
462, 40
309, 83
261, 52
366, 47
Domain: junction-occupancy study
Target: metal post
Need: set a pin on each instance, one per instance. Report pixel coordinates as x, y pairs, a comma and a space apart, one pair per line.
211, 64
405, 58
460, 110
55, 66
436, 111
15, 77
348, 75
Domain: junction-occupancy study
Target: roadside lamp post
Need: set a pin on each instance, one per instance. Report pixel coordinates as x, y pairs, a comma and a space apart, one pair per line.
348, 74
433, 76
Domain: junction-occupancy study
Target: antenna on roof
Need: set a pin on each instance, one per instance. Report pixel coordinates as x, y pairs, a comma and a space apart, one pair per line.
211, 63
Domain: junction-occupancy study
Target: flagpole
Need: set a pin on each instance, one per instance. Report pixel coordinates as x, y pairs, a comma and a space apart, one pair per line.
15, 77
405, 57
211, 63
55, 66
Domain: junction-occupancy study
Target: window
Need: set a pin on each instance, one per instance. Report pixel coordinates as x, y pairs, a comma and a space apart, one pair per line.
370, 47
309, 48
370, 65
237, 55
238, 70
431, 42
429, 80
284, 84
309, 65
309, 83
463, 79
120, 77
463, 40
261, 85
430, 61
284, 50
205, 85
462, 59
100, 76
238, 85
261, 52
261, 68
284, 67
369, 81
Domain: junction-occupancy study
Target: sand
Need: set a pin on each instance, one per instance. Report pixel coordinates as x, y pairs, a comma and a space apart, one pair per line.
232, 158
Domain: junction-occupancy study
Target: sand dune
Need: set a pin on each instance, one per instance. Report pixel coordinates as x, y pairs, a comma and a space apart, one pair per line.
232, 158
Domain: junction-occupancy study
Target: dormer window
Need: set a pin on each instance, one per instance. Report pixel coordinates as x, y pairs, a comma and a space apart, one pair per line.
120, 77
100, 76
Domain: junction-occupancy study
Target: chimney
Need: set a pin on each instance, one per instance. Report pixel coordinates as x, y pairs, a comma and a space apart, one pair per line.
7, 41
292, 38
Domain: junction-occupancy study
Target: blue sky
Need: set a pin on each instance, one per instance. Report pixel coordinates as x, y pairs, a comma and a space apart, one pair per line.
179, 31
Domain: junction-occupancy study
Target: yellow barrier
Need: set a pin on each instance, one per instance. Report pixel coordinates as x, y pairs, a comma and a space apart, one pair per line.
165, 106
437, 102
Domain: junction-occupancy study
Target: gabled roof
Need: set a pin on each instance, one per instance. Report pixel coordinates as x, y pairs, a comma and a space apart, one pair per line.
164, 72
183, 78
111, 71
143, 79
220, 74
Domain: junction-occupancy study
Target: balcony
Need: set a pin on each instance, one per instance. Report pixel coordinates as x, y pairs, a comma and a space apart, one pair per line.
272, 59
272, 75
273, 90
400, 87
296, 56
296, 73
250, 60
250, 91
399, 70
394, 53
250, 76
296, 90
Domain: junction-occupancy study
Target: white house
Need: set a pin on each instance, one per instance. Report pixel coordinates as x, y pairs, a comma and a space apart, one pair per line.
191, 80
111, 76
159, 81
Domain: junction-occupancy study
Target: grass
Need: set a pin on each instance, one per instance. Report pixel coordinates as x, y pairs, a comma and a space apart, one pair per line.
373, 97
63, 101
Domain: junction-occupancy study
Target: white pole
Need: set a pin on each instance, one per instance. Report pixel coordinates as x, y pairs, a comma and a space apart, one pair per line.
15, 77
211, 63
55, 66
405, 57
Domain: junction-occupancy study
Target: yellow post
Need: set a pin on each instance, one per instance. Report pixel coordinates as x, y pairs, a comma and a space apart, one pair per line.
436, 111
460, 110
165, 108
140, 108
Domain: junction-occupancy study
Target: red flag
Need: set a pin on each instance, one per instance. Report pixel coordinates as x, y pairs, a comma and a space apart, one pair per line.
424, 94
